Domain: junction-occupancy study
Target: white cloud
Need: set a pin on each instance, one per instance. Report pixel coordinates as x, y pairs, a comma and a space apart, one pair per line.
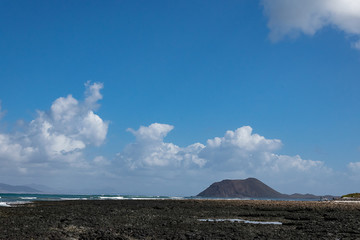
57, 136
242, 138
291, 17
12, 151
284, 163
93, 94
153, 133
93, 129
251, 153
149, 150
354, 166
63, 110
101, 160
238, 154
356, 44
239, 150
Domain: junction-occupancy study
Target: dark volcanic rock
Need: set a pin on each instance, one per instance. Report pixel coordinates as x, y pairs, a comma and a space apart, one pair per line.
250, 187
179, 219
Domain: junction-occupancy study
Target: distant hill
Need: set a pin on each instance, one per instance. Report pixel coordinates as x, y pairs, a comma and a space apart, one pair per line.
6, 188
248, 188
41, 188
352, 195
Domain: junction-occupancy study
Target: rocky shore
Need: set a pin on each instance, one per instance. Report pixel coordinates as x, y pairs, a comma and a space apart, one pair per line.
179, 219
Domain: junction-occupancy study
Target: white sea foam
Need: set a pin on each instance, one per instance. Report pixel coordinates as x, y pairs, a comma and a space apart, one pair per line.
28, 198
111, 198
346, 201
4, 204
177, 198
238, 220
73, 199
145, 198
18, 203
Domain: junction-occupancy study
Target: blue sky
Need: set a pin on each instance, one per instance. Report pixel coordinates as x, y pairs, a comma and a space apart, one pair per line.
283, 78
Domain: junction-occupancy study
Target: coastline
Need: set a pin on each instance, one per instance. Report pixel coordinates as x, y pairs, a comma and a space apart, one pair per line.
179, 219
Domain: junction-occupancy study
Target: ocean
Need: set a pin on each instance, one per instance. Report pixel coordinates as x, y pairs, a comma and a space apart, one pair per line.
12, 199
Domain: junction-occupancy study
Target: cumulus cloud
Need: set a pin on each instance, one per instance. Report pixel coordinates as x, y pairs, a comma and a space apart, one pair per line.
57, 136
149, 150
354, 166
239, 150
242, 138
291, 17
13, 153
93, 94
153, 133
101, 160
238, 154
251, 153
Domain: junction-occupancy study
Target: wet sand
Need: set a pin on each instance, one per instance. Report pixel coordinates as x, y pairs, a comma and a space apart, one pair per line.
179, 219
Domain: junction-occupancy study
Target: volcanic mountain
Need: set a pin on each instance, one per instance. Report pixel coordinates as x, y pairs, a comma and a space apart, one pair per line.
248, 188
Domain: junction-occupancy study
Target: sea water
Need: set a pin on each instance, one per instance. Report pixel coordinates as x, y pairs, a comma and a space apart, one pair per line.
12, 199
237, 220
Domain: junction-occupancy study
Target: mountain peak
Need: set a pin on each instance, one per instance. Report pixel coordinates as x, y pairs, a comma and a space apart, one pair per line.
250, 187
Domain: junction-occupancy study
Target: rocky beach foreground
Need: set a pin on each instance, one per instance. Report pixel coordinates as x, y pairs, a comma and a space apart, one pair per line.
179, 219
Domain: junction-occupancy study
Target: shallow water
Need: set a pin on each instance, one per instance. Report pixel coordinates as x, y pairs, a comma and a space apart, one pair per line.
237, 220
8, 199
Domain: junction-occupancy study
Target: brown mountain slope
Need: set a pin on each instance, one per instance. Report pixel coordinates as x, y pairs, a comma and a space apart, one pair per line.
250, 187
